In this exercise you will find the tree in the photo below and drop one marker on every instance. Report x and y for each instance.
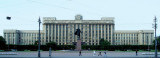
(104, 43)
(101, 41)
(36, 43)
(158, 42)
(2, 43)
(52, 44)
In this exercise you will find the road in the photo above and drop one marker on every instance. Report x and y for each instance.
(74, 54)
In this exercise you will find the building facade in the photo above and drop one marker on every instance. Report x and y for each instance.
(22, 37)
(62, 32)
(133, 37)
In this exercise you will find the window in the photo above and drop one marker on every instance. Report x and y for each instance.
(82, 26)
(99, 27)
(85, 31)
(56, 29)
(86, 25)
(46, 26)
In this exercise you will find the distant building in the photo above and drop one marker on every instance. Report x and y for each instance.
(62, 32)
(22, 37)
(133, 37)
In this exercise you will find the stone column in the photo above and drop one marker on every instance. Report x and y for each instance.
(95, 34)
(55, 35)
(91, 36)
(108, 33)
(51, 32)
(65, 34)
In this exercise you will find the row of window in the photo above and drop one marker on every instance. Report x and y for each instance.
(125, 35)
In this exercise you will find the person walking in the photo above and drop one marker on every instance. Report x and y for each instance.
(136, 52)
(94, 53)
(105, 54)
(99, 54)
(80, 53)
(50, 52)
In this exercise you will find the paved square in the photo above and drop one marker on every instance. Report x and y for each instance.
(70, 54)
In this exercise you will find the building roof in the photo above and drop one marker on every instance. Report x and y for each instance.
(78, 19)
(22, 31)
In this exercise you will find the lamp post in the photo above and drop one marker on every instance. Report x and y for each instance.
(39, 21)
(8, 18)
(155, 27)
(148, 43)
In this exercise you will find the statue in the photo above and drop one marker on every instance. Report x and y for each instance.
(78, 45)
(78, 31)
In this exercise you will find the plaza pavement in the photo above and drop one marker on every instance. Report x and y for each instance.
(74, 54)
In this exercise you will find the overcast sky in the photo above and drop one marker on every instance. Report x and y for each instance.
(129, 14)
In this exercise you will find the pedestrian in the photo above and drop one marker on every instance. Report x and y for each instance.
(80, 53)
(94, 53)
(105, 54)
(50, 52)
(99, 54)
(136, 52)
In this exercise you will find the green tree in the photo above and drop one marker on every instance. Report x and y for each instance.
(36, 43)
(2, 43)
(52, 44)
(158, 42)
(104, 43)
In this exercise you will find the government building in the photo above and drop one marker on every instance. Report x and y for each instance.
(92, 31)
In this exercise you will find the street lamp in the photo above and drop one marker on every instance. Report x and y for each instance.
(155, 27)
(148, 42)
(8, 18)
(39, 21)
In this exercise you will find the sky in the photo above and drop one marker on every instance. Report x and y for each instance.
(128, 14)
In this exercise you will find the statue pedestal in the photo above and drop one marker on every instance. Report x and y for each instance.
(78, 45)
